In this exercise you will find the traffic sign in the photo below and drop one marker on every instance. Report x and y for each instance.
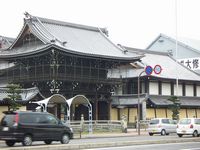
(157, 69)
(148, 70)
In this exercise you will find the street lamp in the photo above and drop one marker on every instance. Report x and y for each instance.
(138, 113)
(148, 70)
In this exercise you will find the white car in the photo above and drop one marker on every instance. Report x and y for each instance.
(188, 126)
(162, 126)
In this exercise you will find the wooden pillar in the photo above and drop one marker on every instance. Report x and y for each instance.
(128, 114)
(59, 111)
(109, 109)
(118, 114)
(196, 113)
(97, 111)
(186, 113)
(166, 112)
(155, 113)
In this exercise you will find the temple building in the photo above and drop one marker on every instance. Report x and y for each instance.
(57, 61)
(155, 89)
(65, 58)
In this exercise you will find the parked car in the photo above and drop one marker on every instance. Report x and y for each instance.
(188, 126)
(27, 127)
(162, 126)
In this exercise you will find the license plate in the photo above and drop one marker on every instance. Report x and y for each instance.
(5, 129)
(183, 131)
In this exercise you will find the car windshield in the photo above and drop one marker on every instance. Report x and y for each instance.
(185, 121)
(156, 121)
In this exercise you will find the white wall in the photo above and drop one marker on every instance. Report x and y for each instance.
(153, 88)
(166, 89)
(189, 90)
(166, 45)
(118, 91)
(143, 87)
(198, 90)
(180, 91)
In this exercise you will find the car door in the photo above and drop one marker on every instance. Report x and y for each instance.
(197, 124)
(165, 124)
(29, 124)
(54, 127)
(173, 126)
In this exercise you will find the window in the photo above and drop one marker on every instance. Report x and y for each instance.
(185, 121)
(9, 120)
(29, 118)
(166, 121)
(48, 119)
(197, 121)
(52, 120)
(154, 122)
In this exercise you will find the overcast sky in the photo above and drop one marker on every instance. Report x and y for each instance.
(134, 23)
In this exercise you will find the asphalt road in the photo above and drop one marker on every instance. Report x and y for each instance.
(109, 139)
(169, 146)
(105, 142)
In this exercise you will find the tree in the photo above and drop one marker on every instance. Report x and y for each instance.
(175, 107)
(13, 91)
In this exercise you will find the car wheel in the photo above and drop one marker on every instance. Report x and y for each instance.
(47, 141)
(151, 134)
(195, 134)
(10, 143)
(163, 132)
(27, 141)
(180, 135)
(65, 139)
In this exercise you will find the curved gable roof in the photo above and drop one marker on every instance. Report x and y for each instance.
(74, 38)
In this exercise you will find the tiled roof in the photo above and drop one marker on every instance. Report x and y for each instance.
(72, 38)
(192, 44)
(5, 42)
(127, 100)
(26, 94)
(184, 101)
(170, 69)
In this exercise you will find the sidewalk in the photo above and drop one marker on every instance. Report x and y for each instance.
(130, 132)
(92, 145)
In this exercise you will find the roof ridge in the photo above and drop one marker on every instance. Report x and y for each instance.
(103, 34)
(173, 40)
(145, 51)
(47, 31)
(63, 23)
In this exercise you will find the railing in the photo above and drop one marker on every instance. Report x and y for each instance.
(97, 126)
(144, 124)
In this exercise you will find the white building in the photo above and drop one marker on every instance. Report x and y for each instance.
(188, 50)
(156, 89)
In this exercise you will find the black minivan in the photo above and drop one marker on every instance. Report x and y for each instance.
(27, 127)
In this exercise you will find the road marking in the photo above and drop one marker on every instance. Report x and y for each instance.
(191, 149)
(147, 145)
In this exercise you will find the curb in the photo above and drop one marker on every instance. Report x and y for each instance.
(100, 145)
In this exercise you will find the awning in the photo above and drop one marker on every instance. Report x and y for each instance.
(162, 101)
(130, 100)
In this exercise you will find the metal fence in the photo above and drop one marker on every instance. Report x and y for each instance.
(97, 126)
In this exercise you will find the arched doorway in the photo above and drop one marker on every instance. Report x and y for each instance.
(55, 104)
(78, 105)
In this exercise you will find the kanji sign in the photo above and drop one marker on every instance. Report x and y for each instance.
(191, 63)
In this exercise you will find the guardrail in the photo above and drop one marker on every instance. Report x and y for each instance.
(97, 125)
